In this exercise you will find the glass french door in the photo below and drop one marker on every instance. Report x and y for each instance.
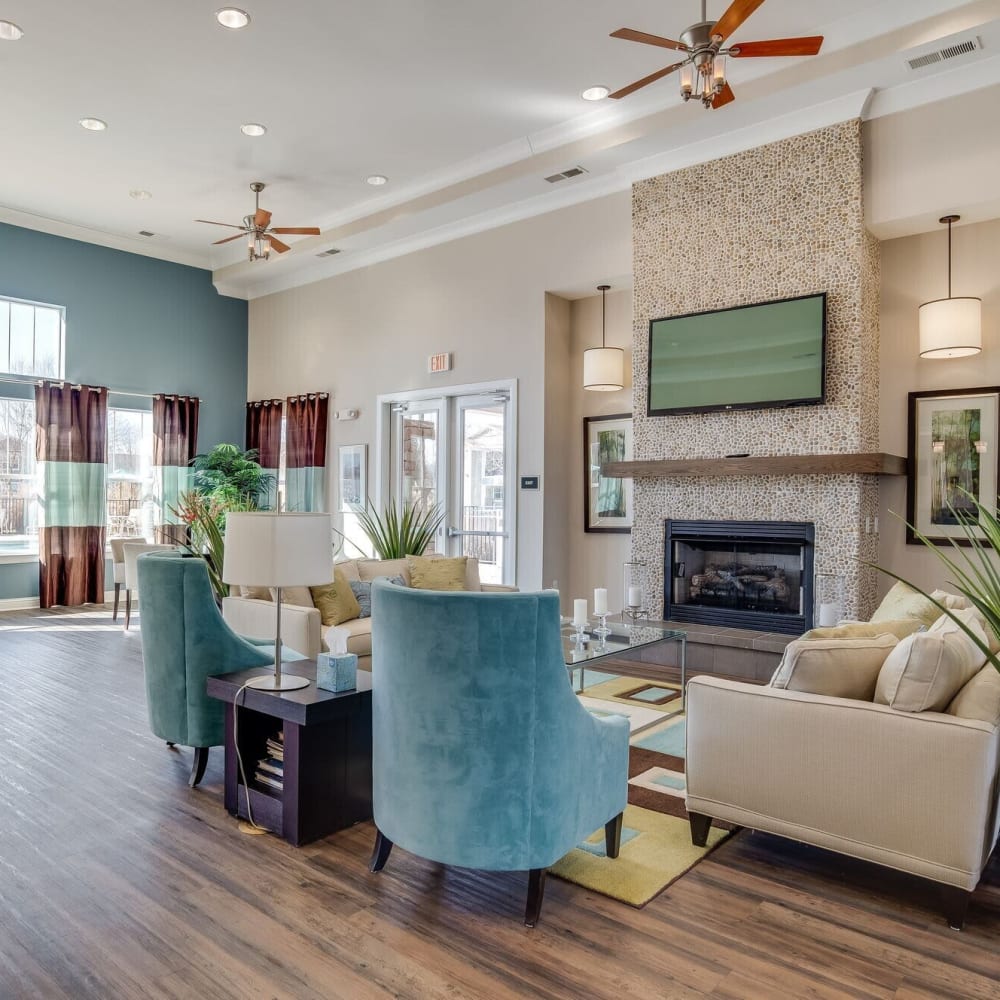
(458, 451)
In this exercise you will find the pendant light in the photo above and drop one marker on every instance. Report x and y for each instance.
(603, 366)
(951, 327)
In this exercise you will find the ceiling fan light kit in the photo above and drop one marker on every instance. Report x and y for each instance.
(703, 71)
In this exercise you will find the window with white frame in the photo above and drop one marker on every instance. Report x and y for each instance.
(18, 489)
(130, 473)
(31, 338)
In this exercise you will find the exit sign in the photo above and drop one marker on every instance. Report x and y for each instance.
(439, 363)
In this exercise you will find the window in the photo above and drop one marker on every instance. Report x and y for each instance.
(130, 473)
(18, 492)
(31, 338)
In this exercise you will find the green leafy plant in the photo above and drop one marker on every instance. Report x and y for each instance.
(397, 533)
(229, 475)
(973, 569)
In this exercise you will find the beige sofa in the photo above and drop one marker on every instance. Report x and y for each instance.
(912, 790)
(252, 611)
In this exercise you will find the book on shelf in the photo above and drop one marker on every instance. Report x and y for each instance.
(269, 781)
(271, 766)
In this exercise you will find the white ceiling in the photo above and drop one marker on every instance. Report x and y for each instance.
(465, 104)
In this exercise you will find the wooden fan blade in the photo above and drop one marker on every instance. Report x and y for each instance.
(261, 218)
(209, 222)
(807, 46)
(228, 239)
(277, 244)
(723, 97)
(296, 230)
(738, 12)
(645, 81)
(631, 35)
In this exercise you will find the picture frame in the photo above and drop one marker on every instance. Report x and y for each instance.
(607, 501)
(352, 476)
(953, 439)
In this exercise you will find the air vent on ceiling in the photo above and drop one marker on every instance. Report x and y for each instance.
(565, 175)
(328, 253)
(146, 233)
(941, 51)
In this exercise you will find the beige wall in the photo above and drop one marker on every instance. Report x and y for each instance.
(914, 269)
(559, 392)
(369, 332)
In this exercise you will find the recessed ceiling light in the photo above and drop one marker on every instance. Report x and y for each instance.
(139, 194)
(376, 180)
(253, 128)
(93, 124)
(9, 31)
(595, 93)
(232, 17)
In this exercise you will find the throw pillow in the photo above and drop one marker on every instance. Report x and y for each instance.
(293, 595)
(904, 602)
(336, 601)
(953, 602)
(862, 630)
(372, 569)
(980, 698)
(428, 573)
(927, 669)
(363, 593)
(255, 593)
(839, 668)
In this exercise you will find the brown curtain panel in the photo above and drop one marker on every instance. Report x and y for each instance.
(175, 443)
(71, 431)
(263, 434)
(305, 451)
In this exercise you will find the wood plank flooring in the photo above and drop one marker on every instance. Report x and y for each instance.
(117, 880)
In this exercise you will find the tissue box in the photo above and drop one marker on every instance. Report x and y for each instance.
(337, 671)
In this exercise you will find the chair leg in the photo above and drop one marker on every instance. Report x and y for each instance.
(700, 825)
(613, 836)
(956, 902)
(171, 744)
(536, 889)
(380, 854)
(198, 765)
(128, 608)
(118, 592)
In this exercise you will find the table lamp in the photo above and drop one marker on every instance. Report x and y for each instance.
(267, 549)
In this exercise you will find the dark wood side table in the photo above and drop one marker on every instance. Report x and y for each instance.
(328, 752)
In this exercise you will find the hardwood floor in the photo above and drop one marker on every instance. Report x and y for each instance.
(117, 880)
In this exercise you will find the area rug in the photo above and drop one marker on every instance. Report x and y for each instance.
(656, 837)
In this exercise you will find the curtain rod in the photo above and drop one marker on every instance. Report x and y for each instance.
(117, 392)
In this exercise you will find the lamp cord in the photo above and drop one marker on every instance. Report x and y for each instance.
(239, 758)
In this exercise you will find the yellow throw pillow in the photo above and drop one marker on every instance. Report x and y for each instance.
(428, 573)
(336, 601)
(866, 630)
(904, 602)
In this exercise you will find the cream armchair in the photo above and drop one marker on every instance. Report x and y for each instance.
(912, 791)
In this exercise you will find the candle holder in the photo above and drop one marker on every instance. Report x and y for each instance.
(580, 636)
(602, 631)
(634, 591)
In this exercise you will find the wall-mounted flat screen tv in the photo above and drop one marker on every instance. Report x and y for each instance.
(750, 357)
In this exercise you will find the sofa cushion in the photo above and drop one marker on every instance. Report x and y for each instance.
(359, 635)
(294, 595)
(927, 669)
(838, 668)
(372, 569)
(437, 574)
(979, 698)
(862, 630)
(905, 602)
(254, 593)
(349, 567)
(336, 601)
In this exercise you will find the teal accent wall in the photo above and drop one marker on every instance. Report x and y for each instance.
(135, 324)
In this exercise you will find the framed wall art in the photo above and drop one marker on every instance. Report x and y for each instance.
(607, 502)
(352, 474)
(953, 438)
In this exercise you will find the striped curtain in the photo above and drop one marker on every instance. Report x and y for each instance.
(305, 452)
(264, 436)
(71, 431)
(175, 443)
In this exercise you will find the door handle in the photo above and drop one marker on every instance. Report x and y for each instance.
(455, 533)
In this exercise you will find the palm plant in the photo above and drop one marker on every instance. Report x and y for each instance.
(230, 475)
(972, 565)
(397, 533)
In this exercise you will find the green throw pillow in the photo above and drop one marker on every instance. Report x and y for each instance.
(336, 601)
(437, 574)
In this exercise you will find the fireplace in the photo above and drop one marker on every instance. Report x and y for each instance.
(740, 574)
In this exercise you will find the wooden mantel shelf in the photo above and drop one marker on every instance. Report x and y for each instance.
(873, 464)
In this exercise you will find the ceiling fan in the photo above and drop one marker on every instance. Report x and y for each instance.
(703, 71)
(257, 228)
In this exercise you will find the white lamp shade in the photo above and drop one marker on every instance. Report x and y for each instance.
(603, 368)
(951, 328)
(266, 549)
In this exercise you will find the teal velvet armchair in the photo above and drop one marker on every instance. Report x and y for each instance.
(184, 641)
(482, 755)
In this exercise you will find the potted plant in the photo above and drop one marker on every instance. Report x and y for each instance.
(397, 533)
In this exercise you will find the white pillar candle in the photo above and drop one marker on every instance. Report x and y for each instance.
(600, 601)
(634, 597)
(580, 611)
(829, 614)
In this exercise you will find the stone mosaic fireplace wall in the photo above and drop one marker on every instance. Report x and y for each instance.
(781, 220)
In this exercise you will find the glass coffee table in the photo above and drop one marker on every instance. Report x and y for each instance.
(625, 637)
